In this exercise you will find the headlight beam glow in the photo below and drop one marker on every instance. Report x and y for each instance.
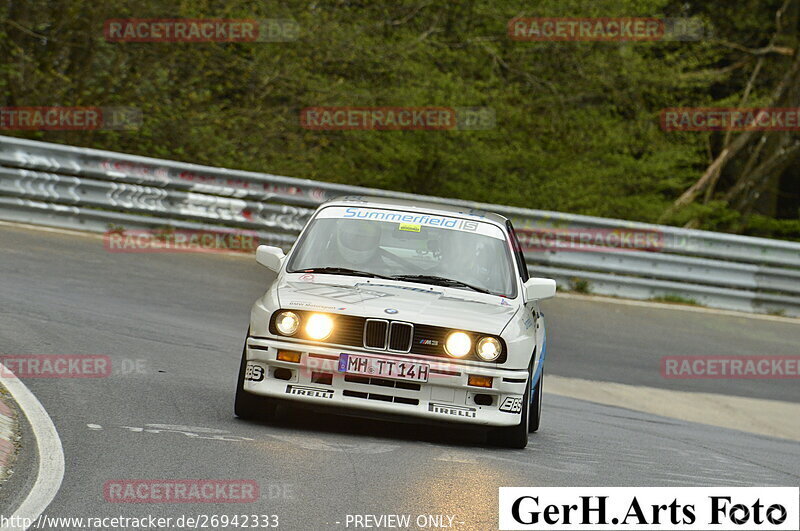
(319, 326)
(458, 344)
(489, 349)
(287, 323)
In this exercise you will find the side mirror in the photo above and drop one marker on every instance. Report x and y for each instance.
(539, 288)
(270, 257)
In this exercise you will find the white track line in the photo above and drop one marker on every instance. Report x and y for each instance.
(753, 415)
(100, 236)
(676, 306)
(44, 228)
(51, 454)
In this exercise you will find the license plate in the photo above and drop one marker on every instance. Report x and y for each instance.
(383, 368)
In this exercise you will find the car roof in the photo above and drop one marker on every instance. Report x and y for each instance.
(414, 205)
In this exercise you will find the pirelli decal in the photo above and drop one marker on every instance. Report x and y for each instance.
(314, 392)
(456, 411)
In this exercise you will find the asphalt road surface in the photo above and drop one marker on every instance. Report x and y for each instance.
(173, 325)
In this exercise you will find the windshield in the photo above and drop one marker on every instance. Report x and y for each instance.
(468, 254)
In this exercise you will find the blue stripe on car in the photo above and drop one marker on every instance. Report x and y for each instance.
(541, 360)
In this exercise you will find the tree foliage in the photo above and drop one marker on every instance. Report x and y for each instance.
(577, 123)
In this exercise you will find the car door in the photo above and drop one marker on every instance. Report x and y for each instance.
(532, 313)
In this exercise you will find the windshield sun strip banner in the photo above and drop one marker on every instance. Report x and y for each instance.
(406, 220)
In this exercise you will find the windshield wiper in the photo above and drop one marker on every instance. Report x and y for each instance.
(433, 279)
(341, 271)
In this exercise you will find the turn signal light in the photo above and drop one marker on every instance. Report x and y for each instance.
(289, 355)
(480, 381)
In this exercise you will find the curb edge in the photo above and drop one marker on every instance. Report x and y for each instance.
(9, 435)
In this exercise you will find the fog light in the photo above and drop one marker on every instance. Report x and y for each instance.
(480, 381)
(289, 355)
(483, 400)
(319, 326)
(282, 373)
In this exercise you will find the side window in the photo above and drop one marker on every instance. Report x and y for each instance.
(523, 267)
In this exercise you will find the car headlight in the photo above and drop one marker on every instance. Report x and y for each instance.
(458, 344)
(287, 323)
(319, 326)
(489, 349)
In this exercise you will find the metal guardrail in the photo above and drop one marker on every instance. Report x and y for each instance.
(95, 190)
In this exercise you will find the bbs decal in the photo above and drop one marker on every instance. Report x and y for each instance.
(511, 404)
(254, 373)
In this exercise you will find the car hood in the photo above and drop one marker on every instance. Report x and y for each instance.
(402, 301)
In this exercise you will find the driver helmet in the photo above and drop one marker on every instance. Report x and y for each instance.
(357, 241)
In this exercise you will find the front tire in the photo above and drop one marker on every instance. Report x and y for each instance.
(515, 436)
(536, 405)
(250, 406)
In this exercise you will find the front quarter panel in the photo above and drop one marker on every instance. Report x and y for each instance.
(262, 310)
(520, 338)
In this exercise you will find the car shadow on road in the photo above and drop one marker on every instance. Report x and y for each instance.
(295, 419)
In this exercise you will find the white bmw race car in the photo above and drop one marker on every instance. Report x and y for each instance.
(398, 307)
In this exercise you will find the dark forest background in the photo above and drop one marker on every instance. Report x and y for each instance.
(577, 123)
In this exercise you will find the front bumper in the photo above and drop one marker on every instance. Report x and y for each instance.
(445, 397)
